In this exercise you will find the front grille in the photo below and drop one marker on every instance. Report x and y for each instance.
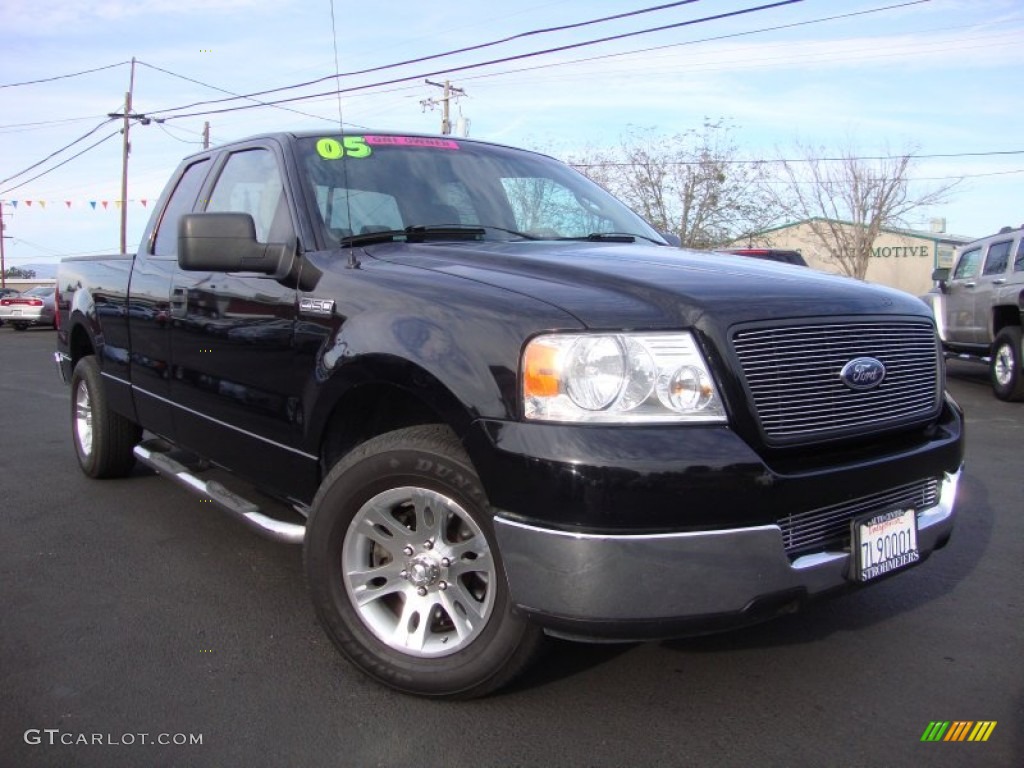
(792, 375)
(829, 527)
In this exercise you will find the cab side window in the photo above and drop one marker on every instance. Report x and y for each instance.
(998, 258)
(1018, 262)
(182, 200)
(250, 182)
(968, 265)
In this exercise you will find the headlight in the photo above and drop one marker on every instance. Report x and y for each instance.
(618, 378)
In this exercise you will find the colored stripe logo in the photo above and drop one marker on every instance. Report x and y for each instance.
(958, 730)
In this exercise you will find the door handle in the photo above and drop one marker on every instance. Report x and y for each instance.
(999, 281)
(970, 284)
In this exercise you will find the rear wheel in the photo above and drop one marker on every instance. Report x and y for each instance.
(405, 573)
(20, 326)
(1006, 372)
(104, 440)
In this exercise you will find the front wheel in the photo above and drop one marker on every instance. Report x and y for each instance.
(1006, 372)
(104, 440)
(404, 571)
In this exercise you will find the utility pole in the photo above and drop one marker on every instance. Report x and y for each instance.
(206, 135)
(126, 147)
(3, 263)
(450, 92)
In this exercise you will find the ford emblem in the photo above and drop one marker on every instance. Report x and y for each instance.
(862, 373)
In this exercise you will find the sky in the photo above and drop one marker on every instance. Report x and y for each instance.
(940, 78)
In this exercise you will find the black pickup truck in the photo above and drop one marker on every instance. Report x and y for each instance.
(498, 404)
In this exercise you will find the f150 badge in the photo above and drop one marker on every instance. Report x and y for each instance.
(862, 373)
(312, 306)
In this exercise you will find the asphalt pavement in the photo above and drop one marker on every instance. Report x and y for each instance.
(140, 627)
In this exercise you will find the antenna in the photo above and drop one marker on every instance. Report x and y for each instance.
(337, 69)
(353, 262)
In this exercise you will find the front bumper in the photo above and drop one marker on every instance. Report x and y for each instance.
(659, 585)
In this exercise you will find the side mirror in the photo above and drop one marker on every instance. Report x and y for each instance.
(226, 242)
(941, 276)
(672, 239)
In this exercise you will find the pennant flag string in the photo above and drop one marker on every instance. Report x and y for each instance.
(72, 204)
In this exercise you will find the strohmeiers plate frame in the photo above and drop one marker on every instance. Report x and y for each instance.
(891, 541)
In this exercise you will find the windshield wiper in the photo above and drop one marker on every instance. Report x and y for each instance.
(515, 232)
(609, 237)
(617, 237)
(416, 233)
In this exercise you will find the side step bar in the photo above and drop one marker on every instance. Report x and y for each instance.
(153, 453)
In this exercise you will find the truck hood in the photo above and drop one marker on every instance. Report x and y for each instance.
(624, 286)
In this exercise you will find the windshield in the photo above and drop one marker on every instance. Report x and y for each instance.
(378, 184)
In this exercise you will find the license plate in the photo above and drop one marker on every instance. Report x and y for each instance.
(16, 312)
(884, 543)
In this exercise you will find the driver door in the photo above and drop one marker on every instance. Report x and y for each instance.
(235, 381)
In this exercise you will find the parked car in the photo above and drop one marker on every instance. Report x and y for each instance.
(768, 254)
(33, 307)
(5, 292)
(979, 307)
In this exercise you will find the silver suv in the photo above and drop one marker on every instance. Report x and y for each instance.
(979, 307)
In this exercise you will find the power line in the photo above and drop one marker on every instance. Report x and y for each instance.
(511, 58)
(167, 130)
(503, 60)
(930, 156)
(445, 54)
(58, 165)
(713, 38)
(17, 127)
(56, 152)
(231, 93)
(63, 77)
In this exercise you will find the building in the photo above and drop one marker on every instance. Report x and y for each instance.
(23, 284)
(900, 258)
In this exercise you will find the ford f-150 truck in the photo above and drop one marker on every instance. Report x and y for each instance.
(499, 405)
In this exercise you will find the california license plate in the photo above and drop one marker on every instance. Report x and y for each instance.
(884, 543)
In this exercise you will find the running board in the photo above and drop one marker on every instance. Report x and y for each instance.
(153, 453)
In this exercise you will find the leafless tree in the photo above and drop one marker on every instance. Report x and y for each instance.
(693, 184)
(846, 200)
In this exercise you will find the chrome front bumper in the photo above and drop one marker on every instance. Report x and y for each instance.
(598, 585)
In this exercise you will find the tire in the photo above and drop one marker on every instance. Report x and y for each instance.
(404, 571)
(20, 326)
(103, 439)
(1006, 370)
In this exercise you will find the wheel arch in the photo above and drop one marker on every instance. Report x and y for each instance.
(1004, 315)
(386, 396)
(80, 343)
